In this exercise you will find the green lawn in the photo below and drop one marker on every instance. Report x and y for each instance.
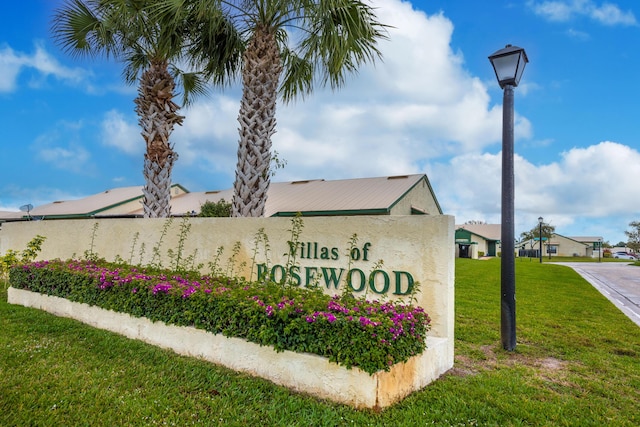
(577, 363)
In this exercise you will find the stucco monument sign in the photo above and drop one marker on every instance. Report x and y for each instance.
(406, 258)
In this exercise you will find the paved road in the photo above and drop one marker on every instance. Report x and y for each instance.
(619, 282)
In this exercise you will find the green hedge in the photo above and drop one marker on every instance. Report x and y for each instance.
(371, 335)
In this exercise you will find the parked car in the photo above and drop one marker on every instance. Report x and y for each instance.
(622, 255)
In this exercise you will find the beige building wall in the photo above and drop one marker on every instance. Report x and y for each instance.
(135, 206)
(566, 247)
(420, 197)
(482, 246)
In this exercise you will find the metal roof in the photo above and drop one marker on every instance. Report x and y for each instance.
(586, 239)
(371, 195)
(311, 197)
(318, 196)
(11, 214)
(488, 231)
(113, 201)
(90, 205)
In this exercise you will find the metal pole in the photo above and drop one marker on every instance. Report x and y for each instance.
(599, 250)
(540, 236)
(507, 263)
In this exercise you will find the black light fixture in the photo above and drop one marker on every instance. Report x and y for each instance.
(508, 64)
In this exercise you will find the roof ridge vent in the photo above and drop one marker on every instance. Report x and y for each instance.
(305, 181)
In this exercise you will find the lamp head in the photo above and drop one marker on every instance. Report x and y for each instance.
(508, 64)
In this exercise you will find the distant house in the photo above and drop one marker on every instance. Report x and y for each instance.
(476, 240)
(390, 195)
(594, 241)
(559, 245)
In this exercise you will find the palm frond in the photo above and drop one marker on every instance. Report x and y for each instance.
(79, 29)
(298, 75)
(193, 84)
(341, 36)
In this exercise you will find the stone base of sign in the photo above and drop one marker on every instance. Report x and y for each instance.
(305, 373)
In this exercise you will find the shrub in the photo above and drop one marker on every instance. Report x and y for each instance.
(12, 257)
(371, 335)
(220, 208)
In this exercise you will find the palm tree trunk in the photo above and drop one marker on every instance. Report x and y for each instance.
(158, 115)
(257, 118)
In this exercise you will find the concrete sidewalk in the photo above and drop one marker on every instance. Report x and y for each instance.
(618, 281)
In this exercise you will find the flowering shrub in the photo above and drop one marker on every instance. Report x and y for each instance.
(371, 335)
(12, 257)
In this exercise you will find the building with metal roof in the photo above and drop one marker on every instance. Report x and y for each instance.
(390, 195)
(559, 245)
(477, 240)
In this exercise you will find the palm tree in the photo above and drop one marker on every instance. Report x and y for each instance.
(132, 32)
(333, 38)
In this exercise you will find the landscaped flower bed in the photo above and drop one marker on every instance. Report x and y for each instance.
(371, 335)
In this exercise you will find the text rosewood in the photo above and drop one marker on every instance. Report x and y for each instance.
(378, 281)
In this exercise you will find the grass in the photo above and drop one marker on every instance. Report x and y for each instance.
(577, 363)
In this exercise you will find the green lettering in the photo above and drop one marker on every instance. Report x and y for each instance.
(293, 271)
(363, 280)
(399, 275)
(330, 278)
(274, 274)
(372, 281)
(324, 253)
(365, 251)
(262, 272)
(310, 278)
(334, 253)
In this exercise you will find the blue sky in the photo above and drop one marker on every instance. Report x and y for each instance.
(431, 106)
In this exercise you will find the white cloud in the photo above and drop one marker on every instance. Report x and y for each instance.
(417, 105)
(209, 135)
(62, 149)
(46, 64)
(562, 11)
(12, 64)
(596, 184)
(71, 158)
(119, 133)
(610, 14)
(578, 35)
(207, 139)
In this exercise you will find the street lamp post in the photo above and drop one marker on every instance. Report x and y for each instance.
(540, 220)
(508, 64)
(599, 249)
